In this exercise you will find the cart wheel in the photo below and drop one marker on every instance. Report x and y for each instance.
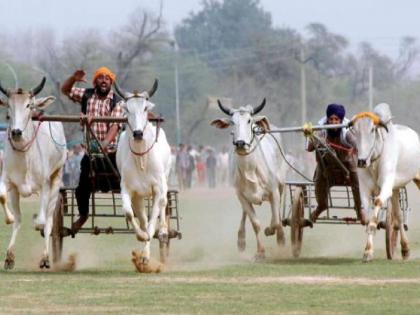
(391, 234)
(296, 227)
(165, 244)
(56, 237)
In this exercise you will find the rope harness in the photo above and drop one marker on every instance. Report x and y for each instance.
(150, 148)
(27, 146)
(377, 122)
(254, 136)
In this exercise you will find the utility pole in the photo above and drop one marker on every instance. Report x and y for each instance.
(303, 84)
(370, 88)
(178, 124)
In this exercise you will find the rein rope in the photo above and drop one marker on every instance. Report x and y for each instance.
(287, 162)
(255, 147)
(52, 138)
(340, 147)
(27, 146)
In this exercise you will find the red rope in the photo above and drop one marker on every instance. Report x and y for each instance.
(340, 147)
(148, 150)
(26, 146)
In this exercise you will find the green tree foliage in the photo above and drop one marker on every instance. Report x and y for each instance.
(229, 49)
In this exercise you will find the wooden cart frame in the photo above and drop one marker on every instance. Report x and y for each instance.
(105, 207)
(302, 202)
(340, 198)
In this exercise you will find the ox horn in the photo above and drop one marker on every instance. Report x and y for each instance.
(382, 124)
(154, 88)
(120, 91)
(3, 90)
(39, 87)
(224, 109)
(257, 109)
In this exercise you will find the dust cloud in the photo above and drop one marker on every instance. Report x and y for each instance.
(209, 224)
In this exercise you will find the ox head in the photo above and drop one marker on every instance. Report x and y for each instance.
(365, 127)
(243, 122)
(136, 107)
(21, 104)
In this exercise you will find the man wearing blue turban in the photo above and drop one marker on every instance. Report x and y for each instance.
(328, 172)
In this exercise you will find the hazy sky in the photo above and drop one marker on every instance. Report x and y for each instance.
(382, 22)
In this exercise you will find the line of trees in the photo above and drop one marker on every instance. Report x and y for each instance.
(229, 49)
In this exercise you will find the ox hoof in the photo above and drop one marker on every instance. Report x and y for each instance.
(9, 262)
(142, 236)
(259, 257)
(39, 227)
(367, 257)
(44, 263)
(268, 231)
(405, 253)
(241, 244)
(9, 220)
(163, 237)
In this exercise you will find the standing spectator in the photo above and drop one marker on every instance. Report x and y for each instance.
(183, 162)
(200, 165)
(173, 168)
(190, 166)
(67, 170)
(211, 163)
(223, 166)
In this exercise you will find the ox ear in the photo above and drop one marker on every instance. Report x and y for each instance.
(150, 105)
(220, 123)
(3, 102)
(44, 102)
(262, 122)
(383, 125)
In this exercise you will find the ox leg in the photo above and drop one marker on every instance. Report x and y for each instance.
(8, 216)
(242, 233)
(275, 202)
(39, 222)
(128, 211)
(10, 256)
(158, 209)
(405, 249)
(53, 189)
(380, 200)
(139, 211)
(366, 188)
(249, 209)
(275, 226)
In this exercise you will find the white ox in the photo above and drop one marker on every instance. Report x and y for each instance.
(33, 162)
(388, 158)
(260, 171)
(143, 160)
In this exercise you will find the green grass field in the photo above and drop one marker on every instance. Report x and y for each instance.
(207, 275)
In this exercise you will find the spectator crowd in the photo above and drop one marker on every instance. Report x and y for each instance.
(191, 166)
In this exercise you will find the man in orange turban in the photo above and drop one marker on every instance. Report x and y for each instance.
(97, 101)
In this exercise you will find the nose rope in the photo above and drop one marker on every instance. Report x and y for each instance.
(252, 140)
(150, 148)
(52, 138)
(28, 144)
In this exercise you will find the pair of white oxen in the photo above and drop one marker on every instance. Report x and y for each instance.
(388, 158)
(35, 155)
